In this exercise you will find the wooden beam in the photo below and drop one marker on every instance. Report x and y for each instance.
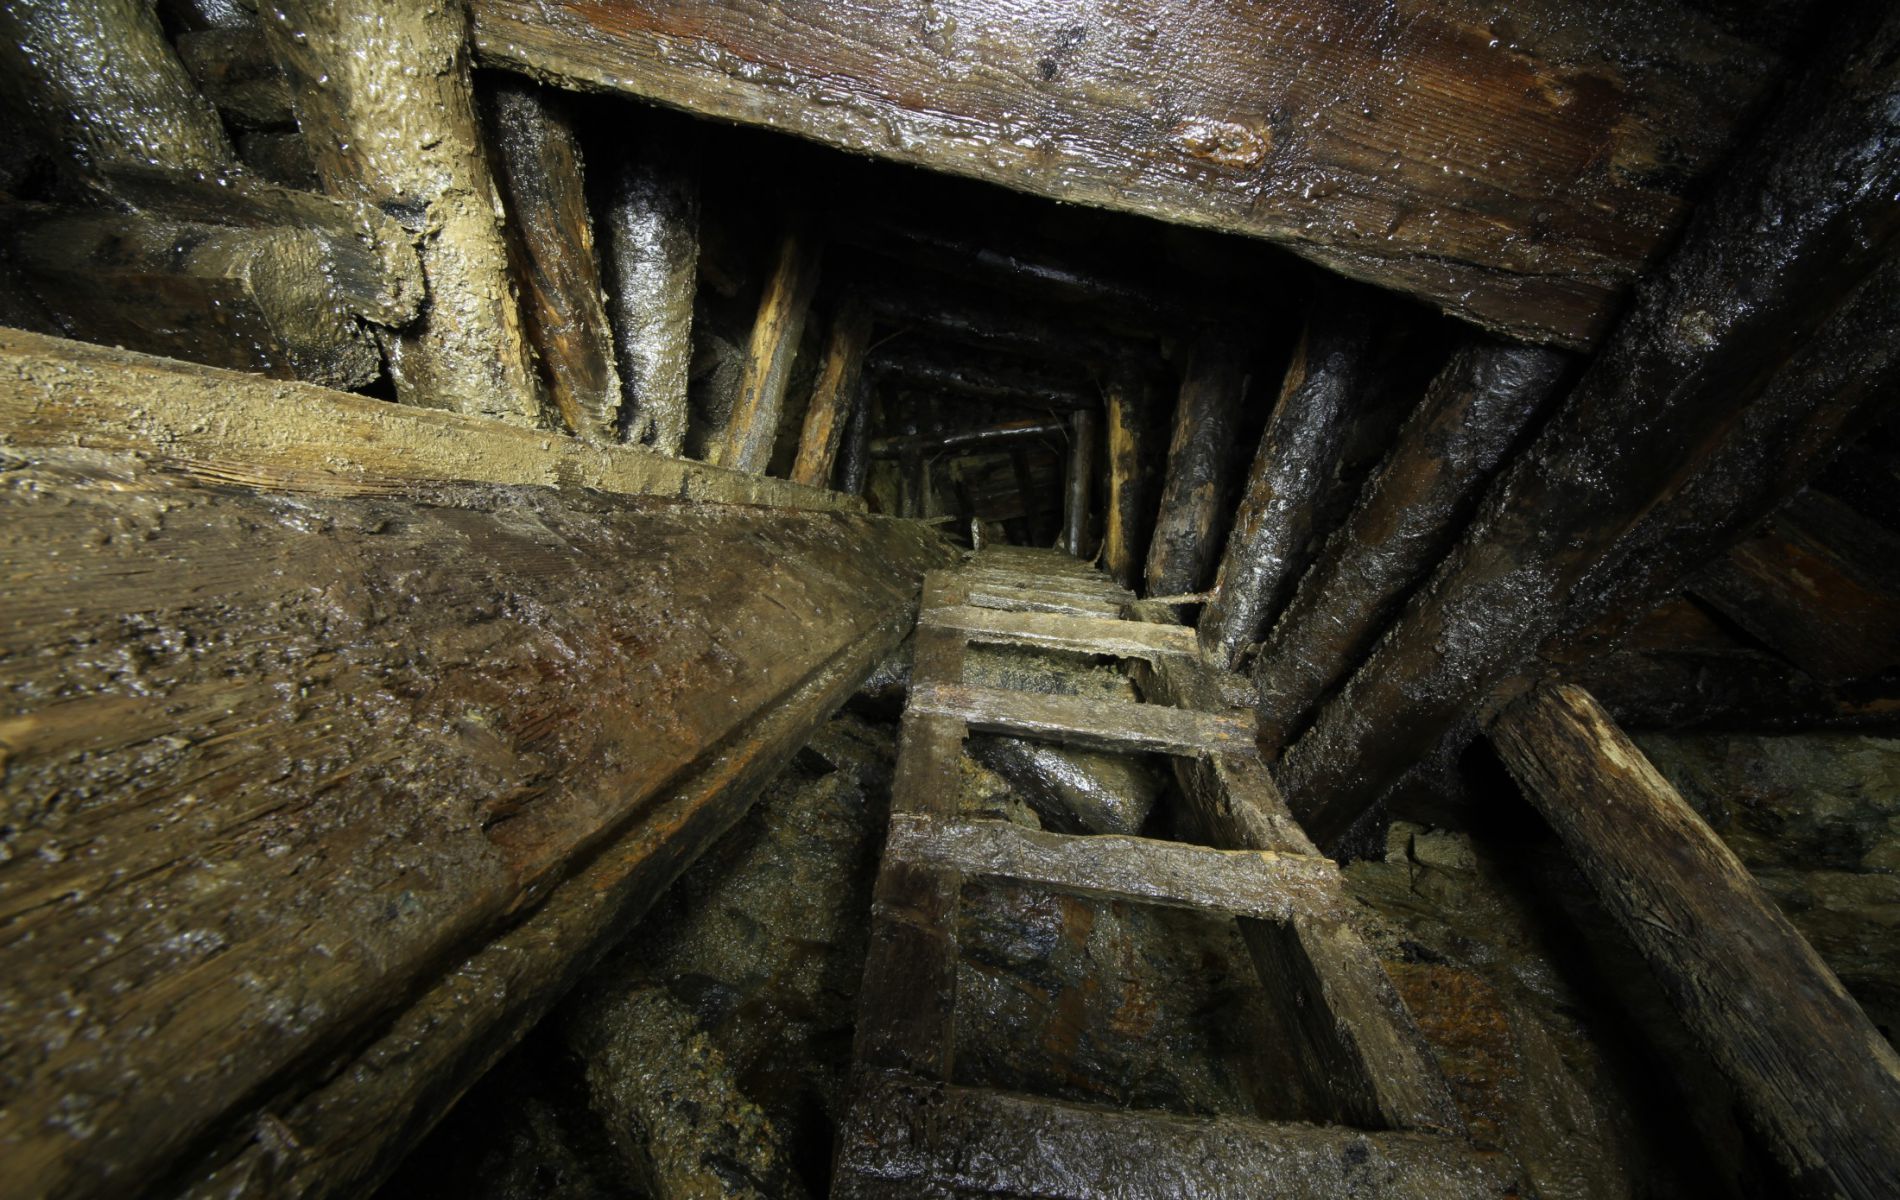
(1251, 883)
(1079, 483)
(1687, 367)
(538, 161)
(1130, 506)
(1116, 725)
(985, 378)
(652, 224)
(1202, 124)
(229, 427)
(1081, 635)
(233, 68)
(752, 429)
(397, 725)
(967, 439)
(834, 397)
(1813, 1072)
(1299, 452)
(1188, 527)
(384, 98)
(854, 467)
(1411, 512)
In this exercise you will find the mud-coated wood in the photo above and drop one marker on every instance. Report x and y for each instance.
(1081, 635)
(1126, 399)
(1516, 170)
(1079, 482)
(1410, 514)
(652, 228)
(1814, 1073)
(752, 428)
(364, 733)
(538, 161)
(1116, 725)
(961, 374)
(1189, 525)
(1267, 548)
(834, 397)
(383, 97)
(1781, 245)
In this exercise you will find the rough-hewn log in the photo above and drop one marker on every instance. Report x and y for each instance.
(855, 468)
(1079, 483)
(539, 165)
(1188, 528)
(1780, 245)
(1410, 514)
(1267, 548)
(1814, 1073)
(1734, 690)
(1074, 791)
(383, 97)
(1130, 505)
(253, 299)
(1566, 116)
(652, 221)
(1117, 725)
(752, 429)
(997, 435)
(222, 426)
(958, 375)
(364, 733)
(235, 70)
(834, 398)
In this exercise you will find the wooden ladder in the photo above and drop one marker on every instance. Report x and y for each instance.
(911, 1131)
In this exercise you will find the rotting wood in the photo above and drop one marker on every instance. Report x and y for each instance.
(1518, 177)
(351, 1131)
(1082, 635)
(1079, 484)
(834, 397)
(1409, 515)
(1273, 524)
(1252, 883)
(384, 98)
(1812, 1070)
(854, 466)
(468, 692)
(234, 69)
(226, 427)
(746, 443)
(1093, 723)
(652, 222)
(538, 163)
(1127, 397)
(1073, 791)
(1187, 528)
(1784, 240)
(911, 1137)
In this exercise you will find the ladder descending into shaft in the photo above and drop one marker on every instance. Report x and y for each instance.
(1391, 1129)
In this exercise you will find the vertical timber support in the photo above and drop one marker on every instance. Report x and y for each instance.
(384, 96)
(652, 223)
(834, 399)
(747, 444)
(855, 469)
(1185, 535)
(1812, 1070)
(1081, 481)
(539, 162)
(1126, 398)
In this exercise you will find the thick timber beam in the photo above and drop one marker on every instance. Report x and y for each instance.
(539, 163)
(1266, 551)
(1516, 174)
(1080, 483)
(1410, 514)
(652, 222)
(1812, 1070)
(753, 427)
(384, 98)
(1786, 245)
(834, 398)
(366, 735)
(1126, 398)
(1186, 531)
(1026, 384)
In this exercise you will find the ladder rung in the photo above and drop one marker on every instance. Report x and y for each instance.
(1250, 883)
(1059, 631)
(1113, 725)
(979, 595)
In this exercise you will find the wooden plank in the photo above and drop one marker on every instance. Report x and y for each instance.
(225, 426)
(1079, 483)
(1514, 175)
(1007, 599)
(395, 724)
(750, 433)
(910, 1138)
(1685, 369)
(652, 227)
(833, 397)
(1124, 540)
(1812, 1070)
(1411, 512)
(1191, 521)
(1084, 635)
(1115, 725)
(953, 374)
(1252, 883)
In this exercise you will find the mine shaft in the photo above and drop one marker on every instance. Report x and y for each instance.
(660, 600)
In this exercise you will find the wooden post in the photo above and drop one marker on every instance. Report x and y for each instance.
(1410, 514)
(1081, 481)
(855, 470)
(1686, 366)
(1814, 1073)
(652, 224)
(1126, 397)
(834, 398)
(384, 98)
(1188, 527)
(753, 426)
(1298, 453)
(539, 163)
